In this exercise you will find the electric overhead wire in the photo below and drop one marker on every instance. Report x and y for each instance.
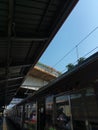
(82, 56)
(88, 53)
(91, 51)
(76, 46)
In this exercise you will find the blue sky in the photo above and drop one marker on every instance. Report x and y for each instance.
(82, 20)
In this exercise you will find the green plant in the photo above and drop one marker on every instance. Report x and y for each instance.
(70, 66)
(80, 60)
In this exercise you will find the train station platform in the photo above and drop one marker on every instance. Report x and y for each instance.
(6, 124)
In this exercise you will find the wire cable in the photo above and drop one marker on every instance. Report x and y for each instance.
(82, 56)
(76, 45)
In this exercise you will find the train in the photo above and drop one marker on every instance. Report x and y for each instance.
(69, 102)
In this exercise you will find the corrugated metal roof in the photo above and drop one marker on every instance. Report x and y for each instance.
(26, 29)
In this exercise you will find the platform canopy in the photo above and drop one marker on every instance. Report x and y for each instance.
(26, 29)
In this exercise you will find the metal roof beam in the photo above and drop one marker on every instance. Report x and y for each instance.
(11, 90)
(8, 92)
(11, 79)
(16, 86)
(13, 86)
(24, 39)
(19, 65)
(44, 14)
(10, 22)
(29, 39)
